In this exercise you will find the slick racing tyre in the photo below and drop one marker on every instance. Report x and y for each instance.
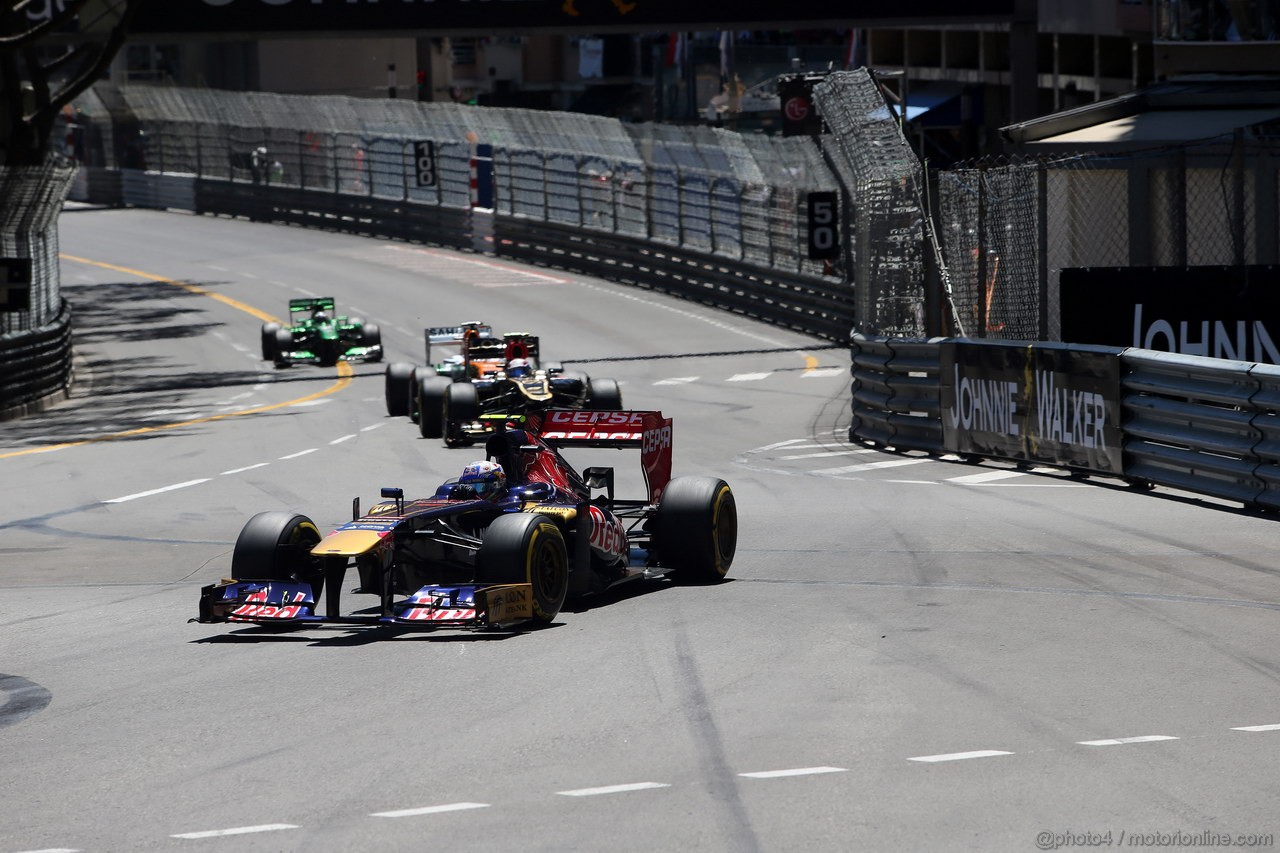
(276, 546)
(284, 344)
(697, 528)
(269, 341)
(372, 337)
(398, 376)
(431, 391)
(461, 406)
(605, 395)
(527, 548)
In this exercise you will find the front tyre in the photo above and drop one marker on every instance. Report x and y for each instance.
(527, 548)
(431, 391)
(269, 340)
(372, 337)
(398, 376)
(605, 395)
(697, 528)
(276, 546)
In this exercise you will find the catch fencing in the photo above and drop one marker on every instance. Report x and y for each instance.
(1010, 228)
(35, 325)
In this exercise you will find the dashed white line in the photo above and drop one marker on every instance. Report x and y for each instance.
(300, 453)
(749, 377)
(372, 427)
(960, 756)
(343, 438)
(1122, 740)
(796, 771)
(55, 850)
(448, 807)
(1268, 728)
(308, 403)
(822, 371)
(245, 468)
(677, 380)
(613, 789)
(238, 830)
(160, 490)
(869, 466)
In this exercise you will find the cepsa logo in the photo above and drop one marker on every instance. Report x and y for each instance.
(596, 418)
(656, 439)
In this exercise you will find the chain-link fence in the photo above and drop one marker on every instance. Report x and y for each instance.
(1010, 229)
(30, 199)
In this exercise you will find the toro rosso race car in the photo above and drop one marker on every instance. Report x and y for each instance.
(488, 376)
(322, 338)
(497, 559)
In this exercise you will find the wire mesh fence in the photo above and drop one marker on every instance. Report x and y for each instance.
(30, 200)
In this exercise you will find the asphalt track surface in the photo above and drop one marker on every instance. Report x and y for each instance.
(910, 654)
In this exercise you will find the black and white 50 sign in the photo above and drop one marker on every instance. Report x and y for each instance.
(824, 226)
(424, 161)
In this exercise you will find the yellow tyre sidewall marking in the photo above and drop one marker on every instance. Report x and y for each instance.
(344, 370)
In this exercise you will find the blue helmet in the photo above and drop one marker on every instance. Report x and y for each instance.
(486, 478)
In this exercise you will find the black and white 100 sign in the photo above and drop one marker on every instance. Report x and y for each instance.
(824, 226)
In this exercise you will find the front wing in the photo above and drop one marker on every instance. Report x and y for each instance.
(433, 606)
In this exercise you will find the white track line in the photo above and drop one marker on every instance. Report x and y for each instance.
(613, 789)
(822, 371)
(245, 468)
(678, 380)
(300, 453)
(1122, 740)
(239, 830)
(850, 452)
(796, 771)
(868, 466)
(1268, 728)
(343, 438)
(448, 807)
(985, 477)
(786, 443)
(748, 377)
(372, 427)
(960, 756)
(151, 492)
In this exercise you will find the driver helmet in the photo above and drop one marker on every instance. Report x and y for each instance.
(320, 315)
(486, 478)
(519, 367)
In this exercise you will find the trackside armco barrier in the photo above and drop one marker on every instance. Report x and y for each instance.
(1203, 425)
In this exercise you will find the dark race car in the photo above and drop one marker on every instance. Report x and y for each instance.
(445, 343)
(489, 375)
(466, 558)
(322, 338)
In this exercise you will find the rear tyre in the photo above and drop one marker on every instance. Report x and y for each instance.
(398, 376)
(276, 546)
(269, 340)
(605, 395)
(372, 337)
(431, 393)
(527, 548)
(697, 528)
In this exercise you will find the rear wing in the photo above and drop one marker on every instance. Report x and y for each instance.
(320, 303)
(454, 335)
(648, 431)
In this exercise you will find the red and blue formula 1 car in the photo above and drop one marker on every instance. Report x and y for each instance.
(459, 559)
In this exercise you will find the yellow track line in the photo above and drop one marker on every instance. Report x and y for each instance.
(810, 362)
(344, 370)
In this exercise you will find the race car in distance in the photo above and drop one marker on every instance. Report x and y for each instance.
(488, 376)
(322, 338)
(501, 558)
